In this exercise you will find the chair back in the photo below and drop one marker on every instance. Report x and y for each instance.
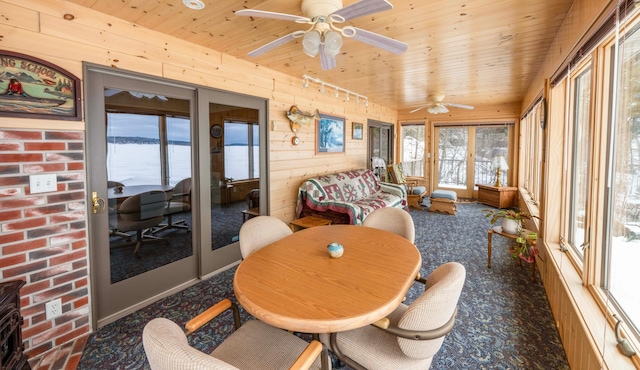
(182, 191)
(260, 231)
(143, 206)
(166, 347)
(253, 198)
(395, 174)
(395, 220)
(113, 184)
(432, 309)
(379, 168)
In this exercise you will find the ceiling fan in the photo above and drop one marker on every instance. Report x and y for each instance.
(438, 106)
(324, 34)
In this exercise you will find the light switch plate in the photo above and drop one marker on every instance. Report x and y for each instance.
(43, 183)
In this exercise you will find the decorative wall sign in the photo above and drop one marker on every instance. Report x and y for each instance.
(33, 88)
(330, 135)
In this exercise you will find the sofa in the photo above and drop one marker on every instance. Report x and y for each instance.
(347, 197)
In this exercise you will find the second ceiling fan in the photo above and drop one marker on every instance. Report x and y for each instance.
(324, 36)
(438, 106)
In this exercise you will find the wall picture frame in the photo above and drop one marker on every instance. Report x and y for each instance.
(330, 134)
(358, 130)
(34, 88)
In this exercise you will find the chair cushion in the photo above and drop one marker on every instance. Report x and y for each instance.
(447, 194)
(419, 190)
(259, 346)
(167, 348)
(375, 349)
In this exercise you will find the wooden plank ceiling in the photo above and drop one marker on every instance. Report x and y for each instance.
(475, 52)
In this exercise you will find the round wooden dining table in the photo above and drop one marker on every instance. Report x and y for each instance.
(294, 284)
(131, 190)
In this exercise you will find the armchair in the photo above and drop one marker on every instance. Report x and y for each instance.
(415, 192)
(179, 201)
(260, 231)
(141, 212)
(411, 335)
(254, 345)
(395, 220)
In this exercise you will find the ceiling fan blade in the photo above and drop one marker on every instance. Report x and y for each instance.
(463, 106)
(271, 15)
(371, 38)
(417, 109)
(362, 8)
(326, 62)
(275, 43)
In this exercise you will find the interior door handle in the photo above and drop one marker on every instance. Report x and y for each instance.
(97, 202)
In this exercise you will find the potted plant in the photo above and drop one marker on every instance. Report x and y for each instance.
(513, 223)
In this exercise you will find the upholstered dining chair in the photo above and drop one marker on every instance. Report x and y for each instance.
(140, 213)
(395, 220)
(254, 345)
(260, 231)
(179, 201)
(411, 335)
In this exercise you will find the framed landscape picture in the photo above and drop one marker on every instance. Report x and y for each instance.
(330, 134)
(357, 131)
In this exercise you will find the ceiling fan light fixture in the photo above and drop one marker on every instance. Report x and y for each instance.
(437, 109)
(193, 4)
(332, 43)
(311, 43)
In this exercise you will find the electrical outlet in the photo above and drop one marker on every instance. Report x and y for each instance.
(54, 308)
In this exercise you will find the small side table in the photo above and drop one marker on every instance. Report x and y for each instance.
(498, 230)
(309, 221)
(248, 213)
(498, 197)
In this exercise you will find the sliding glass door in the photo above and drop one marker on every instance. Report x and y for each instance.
(170, 168)
(466, 155)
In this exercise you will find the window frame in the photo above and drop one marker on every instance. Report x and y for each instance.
(578, 254)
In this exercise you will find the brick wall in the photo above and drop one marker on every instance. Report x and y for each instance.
(43, 237)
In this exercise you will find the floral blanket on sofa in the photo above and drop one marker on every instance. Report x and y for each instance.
(355, 193)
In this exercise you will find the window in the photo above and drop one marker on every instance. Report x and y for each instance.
(622, 240)
(162, 147)
(579, 160)
(531, 131)
(241, 150)
(413, 149)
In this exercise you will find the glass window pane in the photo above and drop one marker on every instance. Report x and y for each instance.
(452, 157)
(133, 149)
(491, 143)
(255, 160)
(413, 149)
(580, 160)
(178, 149)
(623, 226)
(236, 150)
